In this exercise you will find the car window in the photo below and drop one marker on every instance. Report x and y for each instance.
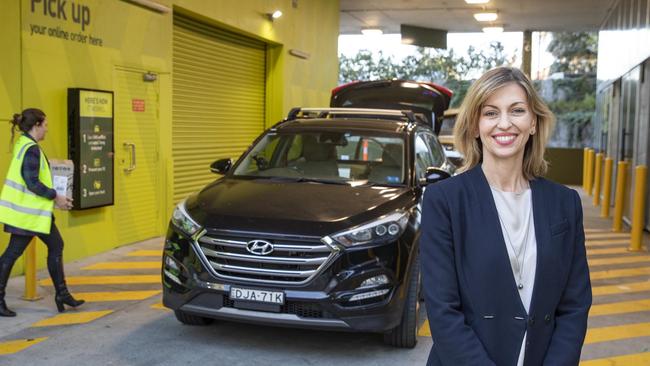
(423, 156)
(344, 156)
(437, 150)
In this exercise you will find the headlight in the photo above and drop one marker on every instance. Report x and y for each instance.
(385, 228)
(183, 221)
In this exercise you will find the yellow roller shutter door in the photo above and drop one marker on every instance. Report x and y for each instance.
(218, 104)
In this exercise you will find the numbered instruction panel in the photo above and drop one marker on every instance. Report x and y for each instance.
(90, 146)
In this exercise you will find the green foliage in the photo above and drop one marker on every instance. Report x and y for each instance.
(575, 52)
(575, 55)
(426, 65)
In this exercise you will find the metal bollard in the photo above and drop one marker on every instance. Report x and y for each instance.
(638, 222)
(607, 188)
(621, 177)
(590, 171)
(30, 272)
(585, 158)
(599, 167)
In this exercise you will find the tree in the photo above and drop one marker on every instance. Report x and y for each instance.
(440, 66)
(575, 56)
(575, 52)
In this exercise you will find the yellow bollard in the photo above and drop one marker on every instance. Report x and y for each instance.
(599, 167)
(590, 171)
(30, 272)
(585, 161)
(607, 188)
(638, 211)
(621, 177)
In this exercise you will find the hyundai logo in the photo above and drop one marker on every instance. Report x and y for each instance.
(259, 247)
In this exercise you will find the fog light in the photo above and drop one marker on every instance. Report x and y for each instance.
(367, 295)
(374, 281)
(171, 263)
(172, 277)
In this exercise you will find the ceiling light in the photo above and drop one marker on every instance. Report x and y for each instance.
(477, 1)
(275, 15)
(493, 29)
(486, 17)
(372, 32)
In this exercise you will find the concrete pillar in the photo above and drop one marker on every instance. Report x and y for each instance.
(527, 57)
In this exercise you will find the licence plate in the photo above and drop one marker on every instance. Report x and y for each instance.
(246, 294)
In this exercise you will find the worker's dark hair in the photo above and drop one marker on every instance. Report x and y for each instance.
(24, 121)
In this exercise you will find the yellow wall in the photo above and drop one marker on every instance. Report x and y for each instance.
(37, 69)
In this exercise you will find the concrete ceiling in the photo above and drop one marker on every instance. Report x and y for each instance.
(456, 15)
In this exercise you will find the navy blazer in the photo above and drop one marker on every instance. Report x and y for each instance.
(475, 313)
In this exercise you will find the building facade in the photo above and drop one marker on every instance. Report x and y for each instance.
(622, 123)
(192, 81)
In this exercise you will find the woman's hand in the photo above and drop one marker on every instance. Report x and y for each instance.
(63, 202)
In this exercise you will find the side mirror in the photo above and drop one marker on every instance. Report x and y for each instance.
(434, 175)
(221, 166)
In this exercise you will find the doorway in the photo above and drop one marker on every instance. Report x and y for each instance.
(137, 164)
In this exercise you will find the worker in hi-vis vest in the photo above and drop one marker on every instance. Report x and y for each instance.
(26, 206)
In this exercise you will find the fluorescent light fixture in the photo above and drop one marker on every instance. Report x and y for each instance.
(472, 2)
(486, 17)
(372, 32)
(275, 15)
(493, 29)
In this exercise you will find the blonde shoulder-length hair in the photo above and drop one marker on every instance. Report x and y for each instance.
(466, 127)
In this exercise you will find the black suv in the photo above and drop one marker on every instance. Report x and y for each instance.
(315, 226)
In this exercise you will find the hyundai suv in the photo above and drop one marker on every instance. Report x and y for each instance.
(315, 226)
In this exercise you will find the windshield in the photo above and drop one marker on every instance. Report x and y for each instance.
(335, 157)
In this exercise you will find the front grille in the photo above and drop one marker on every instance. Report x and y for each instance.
(301, 309)
(292, 261)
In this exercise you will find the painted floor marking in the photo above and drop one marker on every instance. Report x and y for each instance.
(160, 306)
(623, 288)
(145, 253)
(608, 242)
(627, 360)
(106, 280)
(72, 318)
(619, 260)
(622, 307)
(607, 236)
(619, 273)
(123, 265)
(590, 230)
(424, 330)
(607, 251)
(15, 346)
(597, 335)
(116, 295)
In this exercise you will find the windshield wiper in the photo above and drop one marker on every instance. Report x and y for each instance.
(309, 180)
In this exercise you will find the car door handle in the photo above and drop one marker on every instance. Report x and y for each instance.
(132, 160)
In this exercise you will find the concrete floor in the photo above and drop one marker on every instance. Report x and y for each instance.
(141, 332)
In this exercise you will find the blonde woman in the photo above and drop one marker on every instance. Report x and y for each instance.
(504, 268)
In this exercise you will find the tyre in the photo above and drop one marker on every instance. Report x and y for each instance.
(405, 334)
(190, 319)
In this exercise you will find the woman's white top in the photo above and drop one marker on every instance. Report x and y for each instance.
(517, 224)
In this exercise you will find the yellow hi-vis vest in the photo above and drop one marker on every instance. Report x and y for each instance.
(20, 207)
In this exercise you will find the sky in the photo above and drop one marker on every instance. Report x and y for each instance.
(390, 45)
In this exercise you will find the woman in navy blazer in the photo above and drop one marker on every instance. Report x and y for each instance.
(486, 303)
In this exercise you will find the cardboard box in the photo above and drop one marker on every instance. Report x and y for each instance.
(62, 176)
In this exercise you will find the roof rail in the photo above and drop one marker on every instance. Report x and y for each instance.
(326, 112)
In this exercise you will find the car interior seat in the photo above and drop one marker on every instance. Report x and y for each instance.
(319, 159)
(390, 169)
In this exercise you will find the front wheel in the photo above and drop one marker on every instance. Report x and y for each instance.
(405, 334)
